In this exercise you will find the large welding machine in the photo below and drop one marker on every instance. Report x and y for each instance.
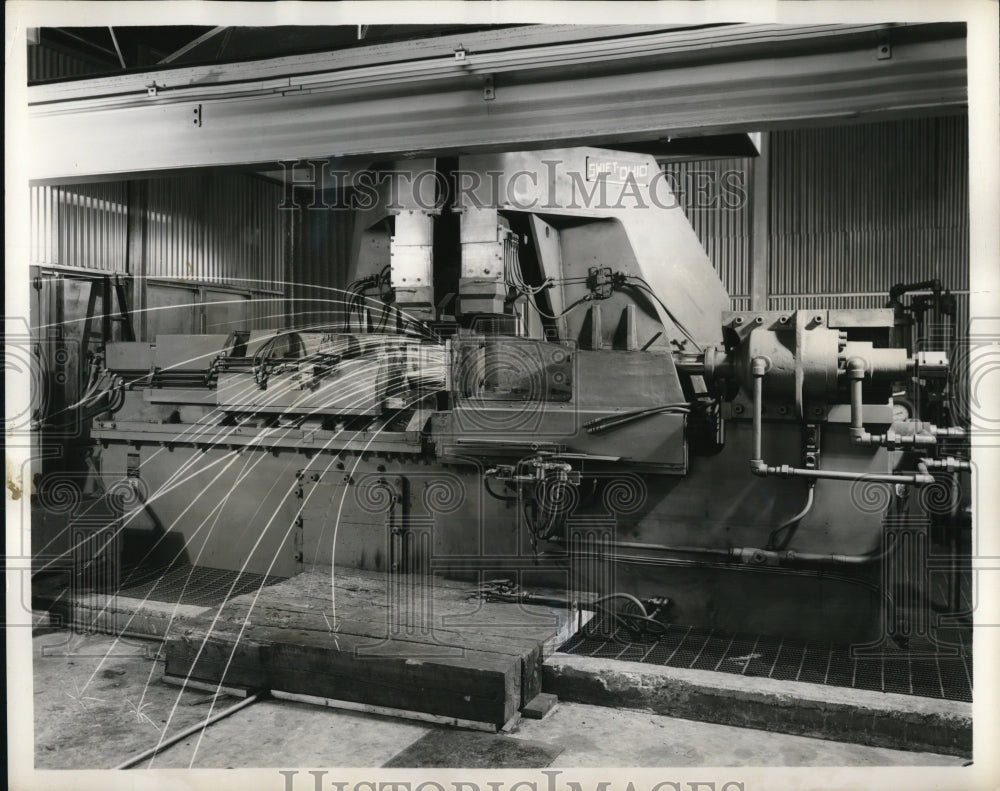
(544, 378)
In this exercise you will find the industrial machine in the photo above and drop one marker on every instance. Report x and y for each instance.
(538, 375)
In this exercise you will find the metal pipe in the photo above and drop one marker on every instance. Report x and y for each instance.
(949, 463)
(893, 438)
(922, 434)
(762, 556)
(760, 468)
(758, 367)
(744, 558)
(911, 479)
(657, 547)
(955, 575)
(749, 555)
(188, 732)
(855, 375)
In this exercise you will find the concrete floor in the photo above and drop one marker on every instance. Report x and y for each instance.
(98, 702)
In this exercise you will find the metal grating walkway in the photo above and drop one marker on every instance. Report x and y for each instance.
(942, 670)
(195, 585)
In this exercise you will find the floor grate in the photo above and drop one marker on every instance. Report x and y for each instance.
(195, 585)
(941, 669)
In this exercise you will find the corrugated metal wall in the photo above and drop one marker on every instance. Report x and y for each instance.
(48, 61)
(222, 228)
(83, 226)
(321, 254)
(215, 233)
(856, 209)
(853, 210)
(715, 196)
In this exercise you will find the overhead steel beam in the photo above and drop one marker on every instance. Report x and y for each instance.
(506, 39)
(191, 45)
(118, 49)
(613, 89)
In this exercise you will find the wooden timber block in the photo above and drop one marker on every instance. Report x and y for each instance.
(539, 706)
(201, 686)
(441, 641)
(474, 685)
(359, 639)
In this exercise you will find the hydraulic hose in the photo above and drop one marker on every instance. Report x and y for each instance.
(793, 521)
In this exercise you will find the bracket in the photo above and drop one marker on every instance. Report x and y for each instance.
(811, 446)
(489, 88)
(197, 115)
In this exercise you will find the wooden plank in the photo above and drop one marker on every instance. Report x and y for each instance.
(473, 685)
(203, 686)
(120, 615)
(257, 644)
(539, 706)
(376, 625)
(527, 651)
(448, 598)
(386, 711)
(504, 621)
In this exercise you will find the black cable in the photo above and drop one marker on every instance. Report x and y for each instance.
(505, 497)
(543, 314)
(642, 285)
(637, 624)
(600, 424)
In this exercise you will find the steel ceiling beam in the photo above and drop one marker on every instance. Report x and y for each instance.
(612, 89)
(191, 45)
(118, 49)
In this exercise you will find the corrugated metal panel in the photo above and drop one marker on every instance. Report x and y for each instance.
(268, 312)
(715, 195)
(210, 228)
(220, 228)
(322, 250)
(859, 208)
(49, 62)
(81, 226)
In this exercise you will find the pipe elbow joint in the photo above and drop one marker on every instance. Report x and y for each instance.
(758, 467)
(759, 366)
(860, 437)
(856, 368)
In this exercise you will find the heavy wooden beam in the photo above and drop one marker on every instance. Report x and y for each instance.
(636, 86)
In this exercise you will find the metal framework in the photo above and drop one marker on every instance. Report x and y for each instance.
(520, 87)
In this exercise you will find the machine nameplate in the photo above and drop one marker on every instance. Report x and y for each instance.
(617, 171)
